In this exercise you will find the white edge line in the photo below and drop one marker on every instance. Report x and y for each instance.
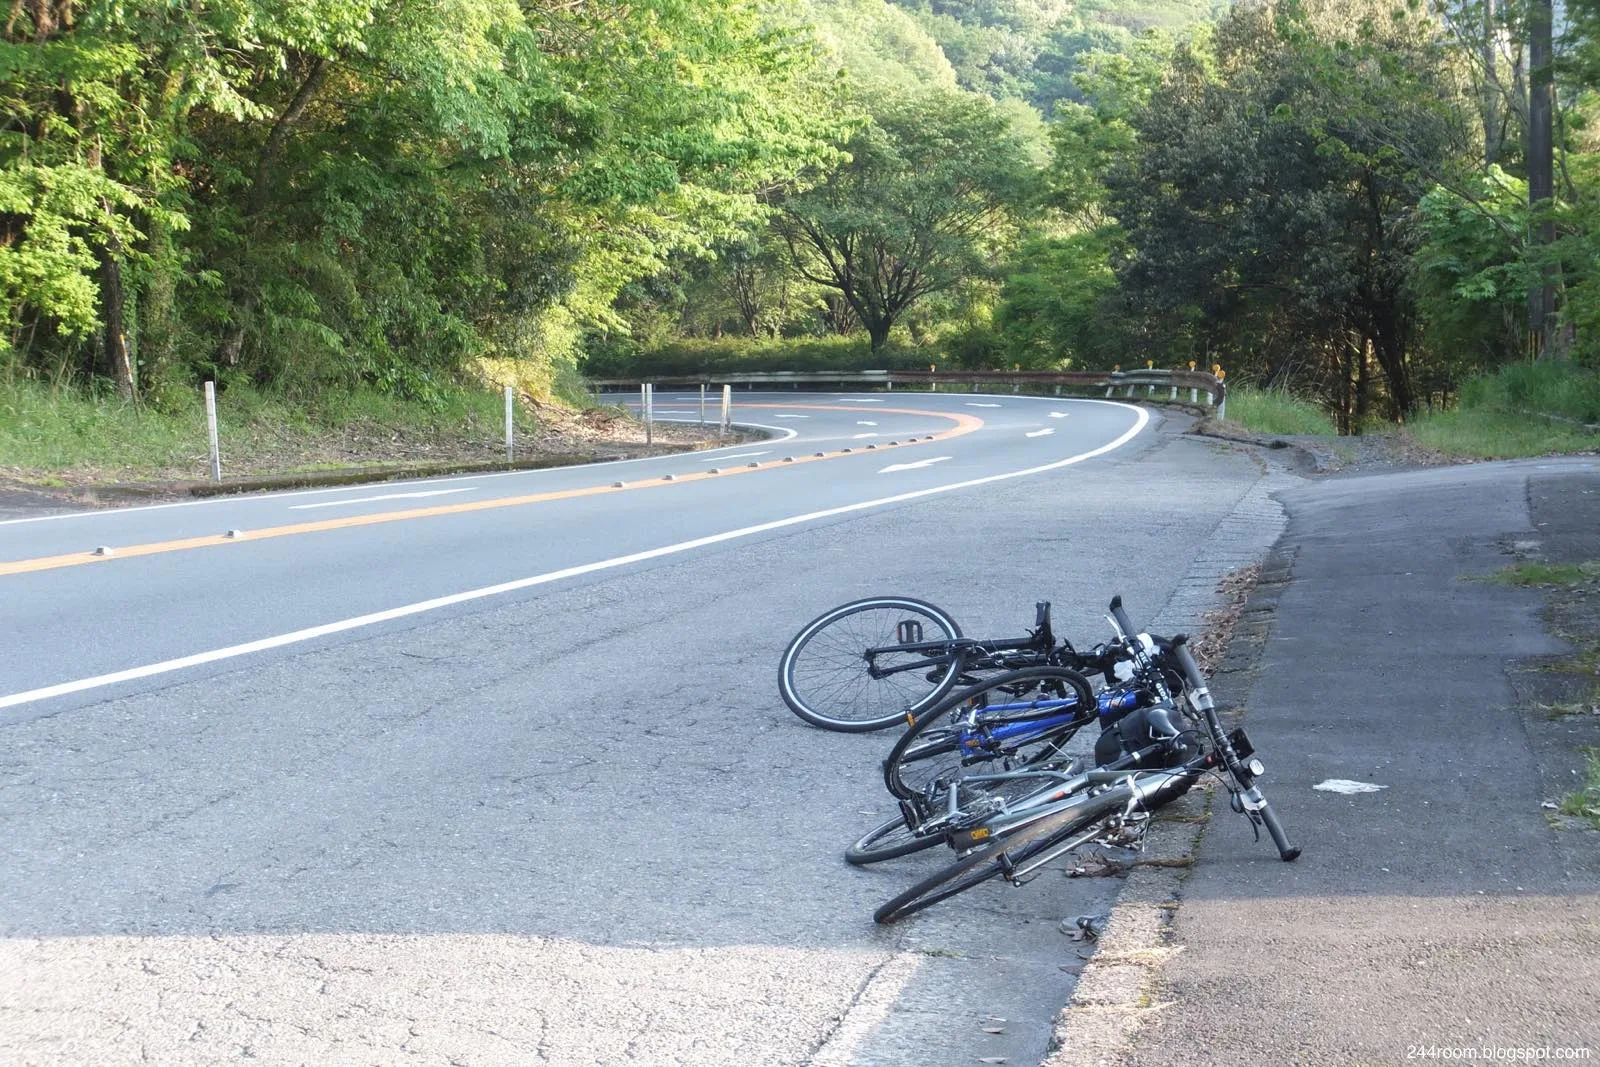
(234, 498)
(313, 632)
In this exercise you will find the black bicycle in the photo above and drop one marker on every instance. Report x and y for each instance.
(876, 663)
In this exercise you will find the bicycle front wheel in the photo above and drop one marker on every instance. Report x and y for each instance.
(826, 678)
(1006, 854)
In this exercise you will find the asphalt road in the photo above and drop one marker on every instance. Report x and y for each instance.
(510, 782)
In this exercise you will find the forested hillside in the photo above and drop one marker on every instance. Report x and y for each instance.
(302, 197)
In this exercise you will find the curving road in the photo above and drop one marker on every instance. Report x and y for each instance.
(492, 769)
(177, 581)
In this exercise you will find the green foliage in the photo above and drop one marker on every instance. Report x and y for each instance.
(1274, 411)
(1487, 434)
(928, 199)
(1546, 388)
(1053, 310)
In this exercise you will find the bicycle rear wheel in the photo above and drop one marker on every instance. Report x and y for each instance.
(930, 755)
(890, 841)
(825, 678)
(1008, 853)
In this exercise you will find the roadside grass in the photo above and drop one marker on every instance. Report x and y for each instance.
(1547, 574)
(48, 433)
(1273, 411)
(1479, 433)
(1585, 803)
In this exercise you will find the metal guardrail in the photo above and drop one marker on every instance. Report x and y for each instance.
(1152, 382)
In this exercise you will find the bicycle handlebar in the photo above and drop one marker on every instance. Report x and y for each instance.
(1122, 618)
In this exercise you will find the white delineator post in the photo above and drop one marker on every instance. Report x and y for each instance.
(702, 403)
(649, 413)
(511, 427)
(211, 431)
(727, 411)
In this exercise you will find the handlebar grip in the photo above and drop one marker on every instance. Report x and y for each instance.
(1286, 851)
(1191, 669)
(1122, 617)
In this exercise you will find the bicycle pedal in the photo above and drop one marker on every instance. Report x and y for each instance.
(961, 840)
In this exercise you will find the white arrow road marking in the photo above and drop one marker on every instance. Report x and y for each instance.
(1040, 433)
(865, 423)
(736, 455)
(1346, 786)
(859, 436)
(891, 468)
(1058, 414)
(385, 496)
(970, 404)
(791, 416)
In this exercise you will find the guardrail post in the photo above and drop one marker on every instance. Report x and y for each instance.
(211, 430)
(1130, 390)
(1108, 390)
(1150, 389)
(727, 411)
(1222, 408)
(1194, 394)
(1174, 395)
(511, 427)
(647, 405)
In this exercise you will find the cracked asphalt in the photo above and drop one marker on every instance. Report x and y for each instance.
(573, 824)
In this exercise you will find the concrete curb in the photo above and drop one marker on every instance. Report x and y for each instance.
(1119, 986)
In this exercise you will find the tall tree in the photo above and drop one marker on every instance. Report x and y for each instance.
(929, 195)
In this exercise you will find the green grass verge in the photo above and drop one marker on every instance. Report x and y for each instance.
(45, 431)
(1548, 574)
(1486, 434)
(1585, 803)
(1273, 411)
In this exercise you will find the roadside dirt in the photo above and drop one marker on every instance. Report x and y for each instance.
(360, 452)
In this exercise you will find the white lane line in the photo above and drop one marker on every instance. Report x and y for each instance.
(237, 498)
(791, 416)
(970, 404)
(311, 633)
(864, 422)
(735, 455)
(859, 436)
(1058, 414)
(670, 411)
(857, 400)
(383, 496)
(918, 465)
(1040, 433)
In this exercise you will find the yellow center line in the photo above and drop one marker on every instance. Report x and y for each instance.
(965, 424)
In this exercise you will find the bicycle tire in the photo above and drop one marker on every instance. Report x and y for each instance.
(930, 749)
(890, 841)
(823, 676)
(1016, 848)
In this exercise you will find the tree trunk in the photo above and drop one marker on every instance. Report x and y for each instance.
(243, 302)
(1490, 97)
(1541, 177)
(113, 306)
(878, 331)
(1363, 382)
